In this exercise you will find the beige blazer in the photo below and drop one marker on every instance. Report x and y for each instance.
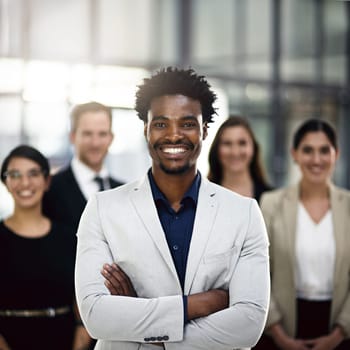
(229, 249)
(279, 209)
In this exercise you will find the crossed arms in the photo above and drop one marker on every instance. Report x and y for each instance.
(227, 303)
(198, 305)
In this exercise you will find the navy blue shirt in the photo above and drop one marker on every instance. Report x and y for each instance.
(177, 225)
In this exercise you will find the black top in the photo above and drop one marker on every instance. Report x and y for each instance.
(37, 273)
(64, 202)
(259, 189)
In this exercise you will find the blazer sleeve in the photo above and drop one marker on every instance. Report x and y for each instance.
(343, 319)
(242, 323)
(342, 295)
(118, 318)
(268, 205)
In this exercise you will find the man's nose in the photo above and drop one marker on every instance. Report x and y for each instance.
(174, 132)
(96, 140)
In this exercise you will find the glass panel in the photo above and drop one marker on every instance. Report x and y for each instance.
(81, 82)
(116, 86)
(335, 42)
(124, 33)
(298, 41)
(46, 126)
(213, 44)
(258, 40)
(6, 202)
(11, 124)
(59, 29)
(11, 27)
(165, 29)
(128, 155)
(45, 81)
(11, 73)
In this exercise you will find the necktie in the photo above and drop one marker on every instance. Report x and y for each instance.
(99, 181)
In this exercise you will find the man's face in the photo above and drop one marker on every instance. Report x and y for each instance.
(174, 132)
(92, 138)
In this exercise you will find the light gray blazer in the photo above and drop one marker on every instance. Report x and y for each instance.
(229, 250)
(279, 208)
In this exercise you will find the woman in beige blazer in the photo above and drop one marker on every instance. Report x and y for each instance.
(308, 226)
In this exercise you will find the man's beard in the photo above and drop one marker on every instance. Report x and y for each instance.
(176, 171)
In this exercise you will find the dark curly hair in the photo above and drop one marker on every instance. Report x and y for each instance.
(173, 81)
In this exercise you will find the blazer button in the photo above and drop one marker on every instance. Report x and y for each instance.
(152, 338)
(165, 337)
(146, 339)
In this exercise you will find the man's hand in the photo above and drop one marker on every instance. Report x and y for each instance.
(3, 344)
(117, 281)
(206, 303)
(81, 339)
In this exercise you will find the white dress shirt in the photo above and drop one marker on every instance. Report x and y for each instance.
(85, 177)
(315, 256)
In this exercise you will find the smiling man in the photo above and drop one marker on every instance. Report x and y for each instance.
(91, 135)
(173, 261)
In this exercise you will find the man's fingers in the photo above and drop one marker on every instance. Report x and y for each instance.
(119, 279)
(112, 283)
(125, 279)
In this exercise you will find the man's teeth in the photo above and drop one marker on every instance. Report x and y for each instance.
(174, 150)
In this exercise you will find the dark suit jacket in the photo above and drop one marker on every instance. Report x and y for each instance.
(64, 202)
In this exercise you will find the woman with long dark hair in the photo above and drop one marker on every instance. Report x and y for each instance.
(235, 160)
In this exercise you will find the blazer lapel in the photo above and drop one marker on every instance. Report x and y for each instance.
(205, 215)
(145, 208)
(290, 211)
(338, 216)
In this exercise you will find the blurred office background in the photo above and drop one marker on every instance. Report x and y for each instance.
(275, 61)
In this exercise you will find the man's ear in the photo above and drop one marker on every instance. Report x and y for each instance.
(205, 130)
(112, 138)
(145, 129)
(72, 137)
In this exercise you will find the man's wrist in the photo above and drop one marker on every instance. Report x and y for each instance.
(79, 323)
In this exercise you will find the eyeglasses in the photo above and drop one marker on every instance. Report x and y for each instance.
(16, 175)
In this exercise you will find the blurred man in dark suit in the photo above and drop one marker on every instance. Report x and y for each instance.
(91, 134)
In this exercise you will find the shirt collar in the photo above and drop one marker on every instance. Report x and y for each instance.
(84, 173)
(191, 193)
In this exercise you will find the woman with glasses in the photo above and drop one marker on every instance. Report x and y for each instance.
(36, 262)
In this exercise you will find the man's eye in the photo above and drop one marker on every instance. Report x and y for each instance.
(189, 125)
(159, 125)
